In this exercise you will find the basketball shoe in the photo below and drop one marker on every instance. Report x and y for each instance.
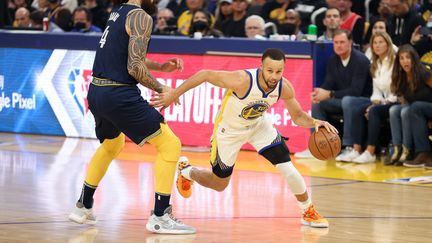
(184, 185)
(312, 218)
(82, 215)
(168, 224)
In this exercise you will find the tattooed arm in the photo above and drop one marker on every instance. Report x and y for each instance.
(139, 27)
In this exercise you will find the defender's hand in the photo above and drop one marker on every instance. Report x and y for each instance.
(172, 64)
(164, 99)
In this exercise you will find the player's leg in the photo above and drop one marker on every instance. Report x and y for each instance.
(169, 147)
(112, 142)
(226, 144)
(269, 144)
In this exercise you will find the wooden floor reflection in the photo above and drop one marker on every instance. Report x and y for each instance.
(40, 179)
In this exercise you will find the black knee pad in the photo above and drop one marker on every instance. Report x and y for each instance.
(220, 169)
(276, 153)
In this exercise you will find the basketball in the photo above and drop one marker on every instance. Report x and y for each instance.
(324, 145)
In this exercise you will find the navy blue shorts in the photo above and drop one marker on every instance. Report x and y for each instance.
(122, 109)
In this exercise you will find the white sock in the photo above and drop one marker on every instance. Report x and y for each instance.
(186, 172)
(305, 205)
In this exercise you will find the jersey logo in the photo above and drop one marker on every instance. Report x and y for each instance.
(254, 110)
(78, 82)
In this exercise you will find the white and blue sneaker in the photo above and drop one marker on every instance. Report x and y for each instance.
(82, 215)
(168, 224)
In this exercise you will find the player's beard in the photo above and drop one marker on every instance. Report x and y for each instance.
(267, 83)
(149, 6)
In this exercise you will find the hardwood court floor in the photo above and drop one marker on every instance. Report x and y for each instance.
(41, 177)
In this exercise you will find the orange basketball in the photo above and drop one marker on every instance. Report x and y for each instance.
(324, 145)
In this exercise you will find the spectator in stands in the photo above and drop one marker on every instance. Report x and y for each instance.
(98, 11)
(235, 26)
(185, 18)
(36, 19)
(351, 21)
(403, 22)
(374, 110)
(177, 7)
(22, 18)
(223, 12)
(275, 10)
(82, 20)
(255, 7)
(14, 5)
(380, 25)
(201, 23)
(165, 23)
(254, 27)
(347, 74)
(317, 17)
(53, 7)
(410, 82)
(332, 22)
(421, 40)
(291, 25)
(64, 19)
(42, 5)
(305, 8)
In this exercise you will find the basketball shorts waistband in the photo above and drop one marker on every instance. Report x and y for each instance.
(106, 82)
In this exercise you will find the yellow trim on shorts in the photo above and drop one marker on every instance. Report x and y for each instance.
(218, 120)
(159, 131)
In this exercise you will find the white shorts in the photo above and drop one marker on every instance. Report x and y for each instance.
(227, 142)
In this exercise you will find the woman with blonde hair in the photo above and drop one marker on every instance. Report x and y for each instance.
(373, 111)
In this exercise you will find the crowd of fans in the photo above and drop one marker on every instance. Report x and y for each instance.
(379, 78)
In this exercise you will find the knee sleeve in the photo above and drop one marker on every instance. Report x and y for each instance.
(167, 144)
(276, 154)
(114, 146)
(292, 176)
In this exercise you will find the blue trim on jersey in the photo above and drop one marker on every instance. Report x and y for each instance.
(280, 88)
(269, 146)
(250, 86)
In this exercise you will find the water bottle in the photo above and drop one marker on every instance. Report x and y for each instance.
(312, 32)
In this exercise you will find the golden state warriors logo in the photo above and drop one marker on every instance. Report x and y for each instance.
(254, 110)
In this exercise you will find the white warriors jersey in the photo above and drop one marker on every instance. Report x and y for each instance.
(243, 112)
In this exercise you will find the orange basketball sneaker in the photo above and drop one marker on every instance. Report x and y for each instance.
(184, 186)
(312, 218)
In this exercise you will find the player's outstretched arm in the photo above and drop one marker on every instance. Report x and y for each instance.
(299, 116)
(139, 27)
(237, 81)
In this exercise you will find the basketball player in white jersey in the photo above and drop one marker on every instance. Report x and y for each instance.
(241, 119)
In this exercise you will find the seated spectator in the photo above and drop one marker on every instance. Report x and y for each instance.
(332, 22)
(22, 18)
(98, 11)
(254, 27)
(317, 17)
(404, 21)
(201, 23)
(223, 12)
(36, 19)
(378, 26)
(384, 14)
(351, 21)
(410, 82)
(165, 23)
(82, 20)
(421, 40)
(14, 5)
(185, 18)
(347, 74)
(64, 19)
(374, 110)
(291, 25)
(275, 10)
(235, 26)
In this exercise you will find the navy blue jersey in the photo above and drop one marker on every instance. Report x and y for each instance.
(112, 55)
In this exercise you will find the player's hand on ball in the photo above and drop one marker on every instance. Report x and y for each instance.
(172, 64)
(329, 127)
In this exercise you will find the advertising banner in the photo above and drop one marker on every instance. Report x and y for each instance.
(45, 92)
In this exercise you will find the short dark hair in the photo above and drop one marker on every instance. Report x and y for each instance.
(343, 31)
(274, 54)
(89, 16)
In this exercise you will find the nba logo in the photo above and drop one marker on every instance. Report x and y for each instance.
(78, 82)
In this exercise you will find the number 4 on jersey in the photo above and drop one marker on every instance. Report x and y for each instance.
(104, 36)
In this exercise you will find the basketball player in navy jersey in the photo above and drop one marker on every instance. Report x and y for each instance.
(119, 110)
(242, 118)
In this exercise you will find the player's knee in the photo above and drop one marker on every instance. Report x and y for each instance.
(277, 153)
(170, 147)
(219, 184)
(220, 187)
(114, 146)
